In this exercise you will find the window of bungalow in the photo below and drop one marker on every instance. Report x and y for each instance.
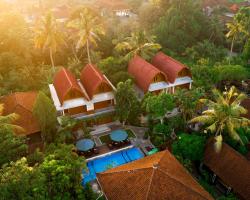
(183, 73)
(158, 78)
(73, 94)
(103, 88)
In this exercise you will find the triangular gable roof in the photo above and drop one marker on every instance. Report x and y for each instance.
(159, 176)
(169, 66)
(230, 166)
(64, 81)
(22, 104)
(92, 78)
(143, 72)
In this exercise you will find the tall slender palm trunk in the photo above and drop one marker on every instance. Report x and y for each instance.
(232, 46)
(52, 59)
(89, 60)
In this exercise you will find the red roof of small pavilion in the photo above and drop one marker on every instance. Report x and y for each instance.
(92, 78)
(65, 81)
(230, 166)
(169, 66)
(22, 104)
(143, 72)
(159, 176)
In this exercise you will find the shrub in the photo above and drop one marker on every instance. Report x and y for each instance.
(190, 146)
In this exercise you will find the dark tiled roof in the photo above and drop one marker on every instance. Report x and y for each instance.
(22, 104)
(231, 167)
(169, 66)
(156, 177)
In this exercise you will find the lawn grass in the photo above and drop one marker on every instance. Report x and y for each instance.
(105, 139)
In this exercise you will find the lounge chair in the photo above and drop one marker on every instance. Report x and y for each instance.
(110, 146)
(96, 151)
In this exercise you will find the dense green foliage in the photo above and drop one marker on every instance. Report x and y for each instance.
(127, 103)
(158, 105)
(11, 147)
(57, 175)
(180, 27)
(190, 146)
(45, 112)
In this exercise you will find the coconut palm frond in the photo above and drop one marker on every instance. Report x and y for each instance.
(232, 133)
(208, 112)
(206, 119)
(212, 127)
(239, 99)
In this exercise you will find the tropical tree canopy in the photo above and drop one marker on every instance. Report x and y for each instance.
(12, 147)
(224, 115)
(159, 105)
(127, 103)
(139, 43)
(88, 27)
(45, 112)
(187, 101)
(48, 35)
(8, 120)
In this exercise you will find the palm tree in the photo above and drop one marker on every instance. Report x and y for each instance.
(88, 28)
(235, 29)
(8, 120)
(224, 115)
(48, 36)
(139, 43)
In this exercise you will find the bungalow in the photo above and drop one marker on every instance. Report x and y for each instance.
(147, 77)
(117, 7)
(231, 169)
(164, 74)
(177, 74)
(159, 176)
(22, 104)
(89, 97)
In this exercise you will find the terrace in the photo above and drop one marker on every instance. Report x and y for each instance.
(103, 143)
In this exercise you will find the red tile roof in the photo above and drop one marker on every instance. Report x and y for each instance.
(65, 81)
(143, 72)
(92, 78)
(231, 167)
(156, 177)
(22, 104)
(169, 66)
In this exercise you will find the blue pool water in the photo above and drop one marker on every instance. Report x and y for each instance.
(110, 161)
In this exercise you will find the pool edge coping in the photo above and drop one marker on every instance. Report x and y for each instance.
(109, 153)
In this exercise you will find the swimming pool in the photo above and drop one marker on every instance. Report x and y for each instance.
(110, 161)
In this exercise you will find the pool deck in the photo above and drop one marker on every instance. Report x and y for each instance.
(107, 151)
(138, 141)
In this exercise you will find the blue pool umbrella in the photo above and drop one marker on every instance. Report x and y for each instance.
(118, 135)
(84, 144)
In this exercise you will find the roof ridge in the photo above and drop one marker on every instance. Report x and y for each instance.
(96, 72)
(66, 75)
(126, 170)
(150, 183)
(174, 60)
(179, 181)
